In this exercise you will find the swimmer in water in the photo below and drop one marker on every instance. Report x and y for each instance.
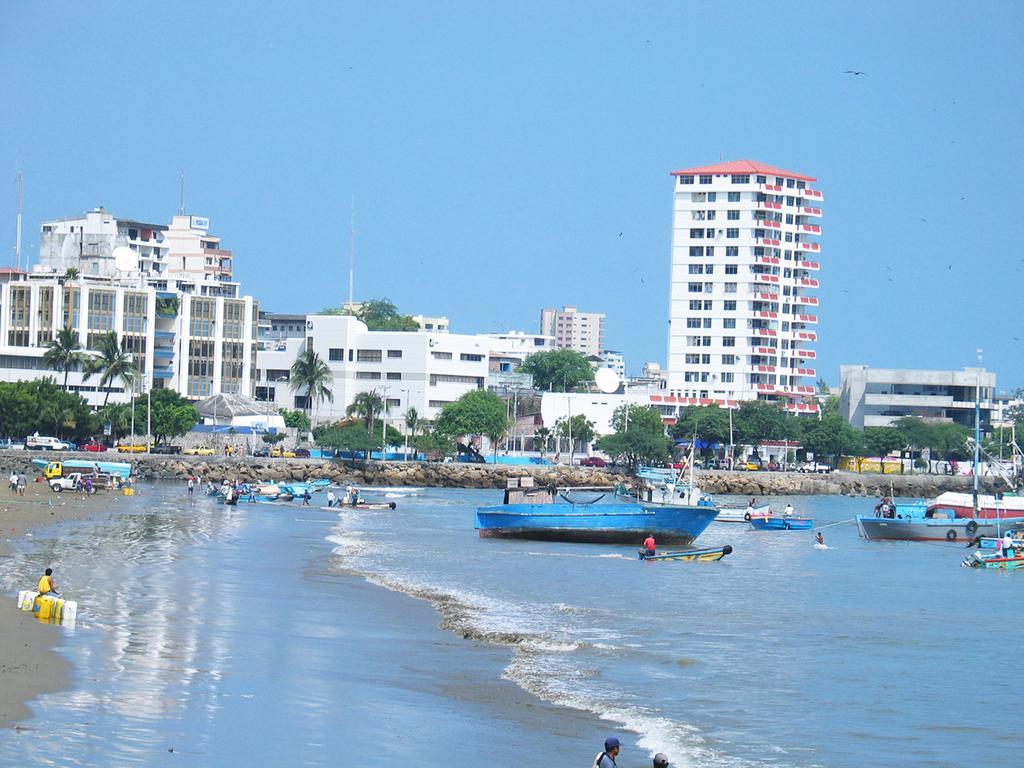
(819, 539)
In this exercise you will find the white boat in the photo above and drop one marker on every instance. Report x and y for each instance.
(742, 514)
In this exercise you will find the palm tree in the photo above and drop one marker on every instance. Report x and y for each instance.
(113, 364)
(118, 416)
(310, 372)
(71, 274)
(542, 436)
(65, 352)
(366, 406)
(412, 422)
(57, 413)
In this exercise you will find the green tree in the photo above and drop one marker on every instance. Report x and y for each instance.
(823, 387)
(19, 410)
(433, 445)
(351, 438)
(366, 406)
(412, 422)
(579, 431)
(881, 441)
(709, 423)
(637, 439)
(113, 364)
(310, 373)
(541, 437)
(118, 416)
(757, 420)
(273, 438)
(70, 274)
(65, 352)
(558, 370)
(295, 419)
(382, 315)
(171, 414)
(477, 412)
(831, 437)
(57, 414)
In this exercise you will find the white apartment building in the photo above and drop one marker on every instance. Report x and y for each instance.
(175, 307)
(422, 370)
(182, 251)
(614, 360)
(572, 329)
(876, 397)
(743, 308)
(196, 345)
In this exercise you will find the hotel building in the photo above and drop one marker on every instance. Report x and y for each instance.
(743, 312)
(176, 308)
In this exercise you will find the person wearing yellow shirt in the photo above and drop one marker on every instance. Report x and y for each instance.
(47, 586)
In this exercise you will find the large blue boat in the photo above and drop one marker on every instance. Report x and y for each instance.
(549, 515)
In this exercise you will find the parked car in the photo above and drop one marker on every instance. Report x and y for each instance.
(131, 448)
(261, 452)
(70, 483)
(281, 453)
(10, 445)
(199, 450)
(593, 461)
(94, 446)
(166, 448)
(748, 466)
(814, 467)
(301, 453)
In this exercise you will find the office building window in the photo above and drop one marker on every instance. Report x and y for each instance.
(705, 178)
(728, 341)
(696, 305)
(682, 180)
(393, 353)
(441, 355)
(394, 376)
(729, 306)
(729, 322)
(734, 216)
(734, 197)
(368, 355)
(336, 354)
(732, 233)
(730, 287)
(728, 359)
(741, 178)
(372, 375)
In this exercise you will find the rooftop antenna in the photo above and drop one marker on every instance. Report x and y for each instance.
(181, 199)
(352, 256)
(17, 235)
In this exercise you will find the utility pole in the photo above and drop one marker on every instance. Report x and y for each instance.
(17, 235)
(181, 198)
(352, 256)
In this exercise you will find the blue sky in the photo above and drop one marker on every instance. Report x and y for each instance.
(496, 151)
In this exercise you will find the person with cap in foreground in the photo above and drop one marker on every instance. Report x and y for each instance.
(606, 759)
(660, 761)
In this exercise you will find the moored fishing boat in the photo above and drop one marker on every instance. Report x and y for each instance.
(920, 521)
(545, 514)
(362, 505)
(710, 555)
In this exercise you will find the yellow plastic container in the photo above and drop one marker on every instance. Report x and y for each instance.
(48, 609)
(128, 491)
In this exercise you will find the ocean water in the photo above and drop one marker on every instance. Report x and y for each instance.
(264, 634)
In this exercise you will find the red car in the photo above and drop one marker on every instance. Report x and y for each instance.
(593, 461)
(94, 447)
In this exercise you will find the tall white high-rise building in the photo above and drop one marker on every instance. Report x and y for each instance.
(743, 312)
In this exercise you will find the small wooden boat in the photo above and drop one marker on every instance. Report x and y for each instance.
(994, 560)
(710, 555)
(772, 523)
(362, 505)
(741, 514)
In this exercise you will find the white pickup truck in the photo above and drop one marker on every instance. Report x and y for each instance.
(70, 482)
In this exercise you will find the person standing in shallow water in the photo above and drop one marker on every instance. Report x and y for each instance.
(606, 759)
(650, 545)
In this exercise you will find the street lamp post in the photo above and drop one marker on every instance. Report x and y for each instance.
(149, 415)
(405, 450)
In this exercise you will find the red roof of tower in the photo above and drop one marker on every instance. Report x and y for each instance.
(743, 166)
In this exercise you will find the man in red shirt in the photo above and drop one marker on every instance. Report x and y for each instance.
(649, 545)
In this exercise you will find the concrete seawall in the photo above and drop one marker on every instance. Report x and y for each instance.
(249, 469)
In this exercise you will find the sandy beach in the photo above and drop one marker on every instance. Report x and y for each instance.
(29, 666)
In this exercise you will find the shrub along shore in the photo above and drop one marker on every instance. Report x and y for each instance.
(458, 475)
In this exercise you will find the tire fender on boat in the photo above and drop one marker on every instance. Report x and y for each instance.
(951, 535)
(972, 527)
(746, 516)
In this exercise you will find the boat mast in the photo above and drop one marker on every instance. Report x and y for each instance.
(977, 432)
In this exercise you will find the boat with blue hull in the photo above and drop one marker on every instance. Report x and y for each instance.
(544, 514)
(770, 523)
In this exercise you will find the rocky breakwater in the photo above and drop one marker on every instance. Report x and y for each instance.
(838, 484)
(455, 475)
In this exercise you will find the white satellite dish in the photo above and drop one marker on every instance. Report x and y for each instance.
(607, 380)
(125, 259)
